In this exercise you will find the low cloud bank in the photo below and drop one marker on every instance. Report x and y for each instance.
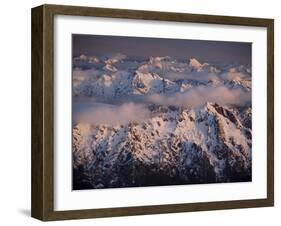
(79, 75)
(200, 95)
(195, 76)
(233, 75)
(113, 115)
(206, 76)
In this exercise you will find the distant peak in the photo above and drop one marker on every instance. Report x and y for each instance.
(114, 58)
(194, 63)
(83, 57)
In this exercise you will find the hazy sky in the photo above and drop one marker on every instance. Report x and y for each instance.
(210, 51)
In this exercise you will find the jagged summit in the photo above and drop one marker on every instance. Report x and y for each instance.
(194, 63)
(188, 146)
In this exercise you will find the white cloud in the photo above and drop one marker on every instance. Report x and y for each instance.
(113, 115)
(198, 96)
(79, 75)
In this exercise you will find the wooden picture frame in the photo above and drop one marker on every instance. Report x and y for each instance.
(43, 112)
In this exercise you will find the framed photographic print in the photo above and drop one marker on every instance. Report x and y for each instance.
(141, 112)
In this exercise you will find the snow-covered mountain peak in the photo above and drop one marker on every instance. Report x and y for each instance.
(189, 142)
(194, 63)
(208, 106)
(114, 58)
(83, 57)
(109, 66)
(152, 83)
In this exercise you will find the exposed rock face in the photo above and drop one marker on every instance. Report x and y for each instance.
(178, 146)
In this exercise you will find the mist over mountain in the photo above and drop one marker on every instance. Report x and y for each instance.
(159, 121)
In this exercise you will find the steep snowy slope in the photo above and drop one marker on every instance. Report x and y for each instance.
(176, 146)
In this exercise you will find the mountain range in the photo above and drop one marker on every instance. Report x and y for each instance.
(159, 121)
